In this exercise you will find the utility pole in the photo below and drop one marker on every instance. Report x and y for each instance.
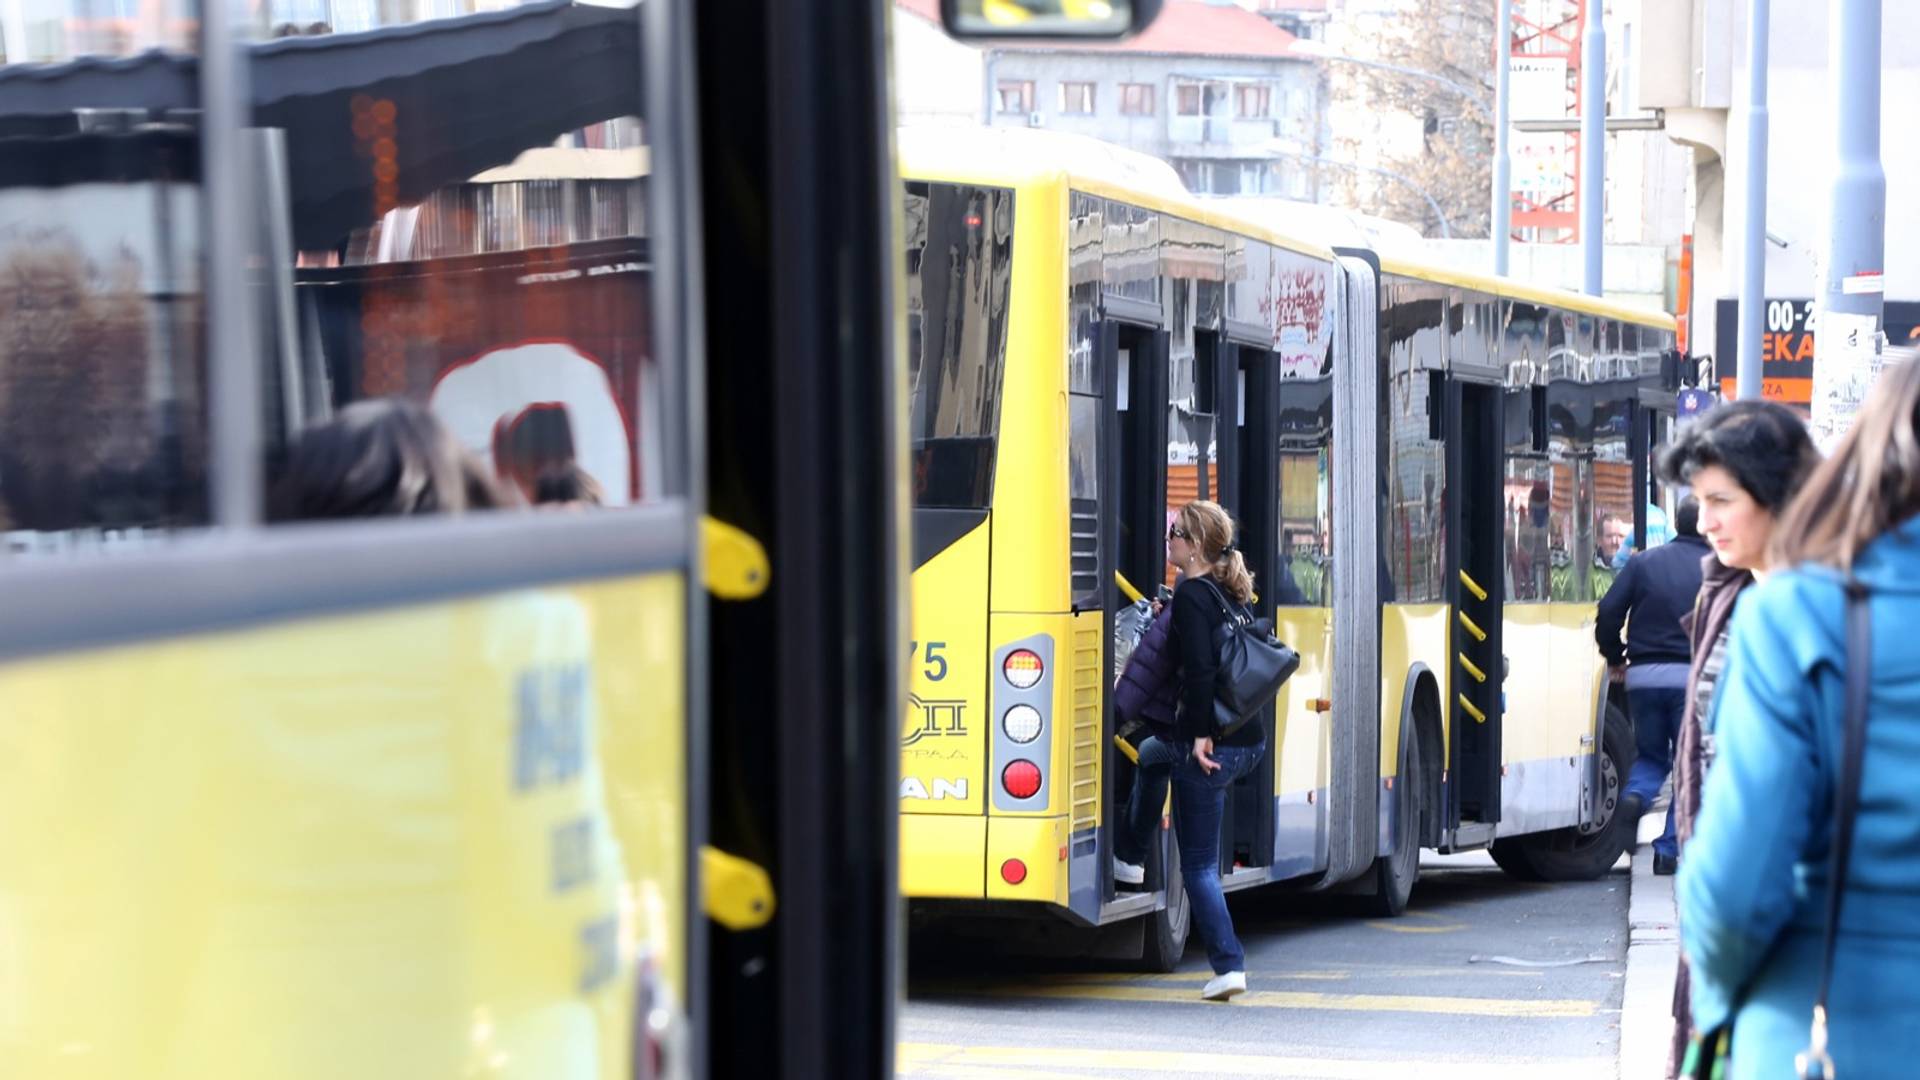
(1749, 366)
(1502, 160)
(1593, 147)
(1846, 346)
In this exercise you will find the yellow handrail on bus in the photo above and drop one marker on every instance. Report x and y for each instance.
(736, 565)
(1478, 716)
(1472, 586)
(1478, 675)
(1133, 595)
(735, 893)
(1472, 627)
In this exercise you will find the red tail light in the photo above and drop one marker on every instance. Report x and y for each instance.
(1013, 871)
(1021, 779)
(1023, 669)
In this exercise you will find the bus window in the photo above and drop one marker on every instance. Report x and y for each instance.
(1306, 485)
(959, 269)
(103, 404)
(1415, 325)
(480, 250)
(1529, 477)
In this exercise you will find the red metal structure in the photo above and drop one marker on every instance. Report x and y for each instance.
(1551, 29)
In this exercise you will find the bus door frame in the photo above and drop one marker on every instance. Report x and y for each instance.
(1248, 488)
(1475, 775)
(1141, 322)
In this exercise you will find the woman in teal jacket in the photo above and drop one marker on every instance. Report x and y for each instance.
(1752, 887)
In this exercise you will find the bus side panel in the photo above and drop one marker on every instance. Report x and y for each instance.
(1300, 747)
(942, 736)
(1031, 496)
(422, 842)
(1409, 634)
(1541, 752)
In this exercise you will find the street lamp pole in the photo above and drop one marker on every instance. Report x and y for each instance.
(1748, 365)
(1852, 290)
(1502, 161)
(1593, 148)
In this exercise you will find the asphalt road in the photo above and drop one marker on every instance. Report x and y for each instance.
(1483, 977)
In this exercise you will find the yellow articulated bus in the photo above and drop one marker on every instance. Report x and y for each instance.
(1433, 474)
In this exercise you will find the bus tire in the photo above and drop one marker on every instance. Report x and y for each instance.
(1395, 873)
(1584, 852)
(1165, 939)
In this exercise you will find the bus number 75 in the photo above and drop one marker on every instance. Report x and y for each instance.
(936, 661)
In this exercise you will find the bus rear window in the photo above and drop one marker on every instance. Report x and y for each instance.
(959, 265)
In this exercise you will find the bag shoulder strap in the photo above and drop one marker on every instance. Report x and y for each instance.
(1237, 618)
(1846, 807)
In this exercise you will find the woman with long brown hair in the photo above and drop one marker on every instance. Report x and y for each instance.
(1753, 883)
(1215, 587)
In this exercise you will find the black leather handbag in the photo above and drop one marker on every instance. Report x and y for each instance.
(1253, 665)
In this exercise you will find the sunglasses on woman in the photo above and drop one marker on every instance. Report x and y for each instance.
(1175, 532)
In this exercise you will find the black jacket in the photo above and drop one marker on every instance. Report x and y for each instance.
(1656, 588)
(1196, 614)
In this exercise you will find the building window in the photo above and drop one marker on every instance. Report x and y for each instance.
(1016, 96)
(1076, 98)
(1253, 102)
(1188, 101)
(1136, 99)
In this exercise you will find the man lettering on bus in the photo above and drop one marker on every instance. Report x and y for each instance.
(1649, 598)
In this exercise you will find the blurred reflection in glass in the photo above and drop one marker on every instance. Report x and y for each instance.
(103, 439)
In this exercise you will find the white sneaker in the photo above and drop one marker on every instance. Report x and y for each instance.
(1127, 873)
(1222, 987)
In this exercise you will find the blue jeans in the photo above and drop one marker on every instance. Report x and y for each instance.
(1199, 799)
(1151, 775)
(1656, 724)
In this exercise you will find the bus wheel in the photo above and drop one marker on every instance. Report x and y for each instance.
(1584, 852)
(1394, 874)
(1165, 940)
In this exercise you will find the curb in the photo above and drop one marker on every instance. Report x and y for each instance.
(1653, 955)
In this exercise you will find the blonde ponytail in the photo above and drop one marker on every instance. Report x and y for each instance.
(1211, 530)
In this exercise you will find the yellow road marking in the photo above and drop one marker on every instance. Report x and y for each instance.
(1543, 1009)
(956, 1062)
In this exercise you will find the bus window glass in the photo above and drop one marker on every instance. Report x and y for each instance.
(1415, 326)
(1083, 295)
(103, 394)
(1613, 490)
(469, 234)
(1306, 485)
(1570, 451)
(1529, 476)
(1130, 259)
(959, 266)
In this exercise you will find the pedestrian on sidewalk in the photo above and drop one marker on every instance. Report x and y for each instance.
(1744, 460)
(1753, 892)
(1648, 600)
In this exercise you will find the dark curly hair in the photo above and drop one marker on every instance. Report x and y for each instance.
(1762, 443)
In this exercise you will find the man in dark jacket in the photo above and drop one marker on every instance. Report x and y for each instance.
(1650, 596)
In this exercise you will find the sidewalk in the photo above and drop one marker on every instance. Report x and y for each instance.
(1653, 951)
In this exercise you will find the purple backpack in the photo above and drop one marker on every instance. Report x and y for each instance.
(1148, 689)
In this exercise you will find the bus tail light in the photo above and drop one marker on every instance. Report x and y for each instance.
(1013, 871)
(1021, 779)
(1022, 724)
(1021, 734)
(1023, 669)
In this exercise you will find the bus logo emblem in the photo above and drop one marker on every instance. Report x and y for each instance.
(930, 719)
